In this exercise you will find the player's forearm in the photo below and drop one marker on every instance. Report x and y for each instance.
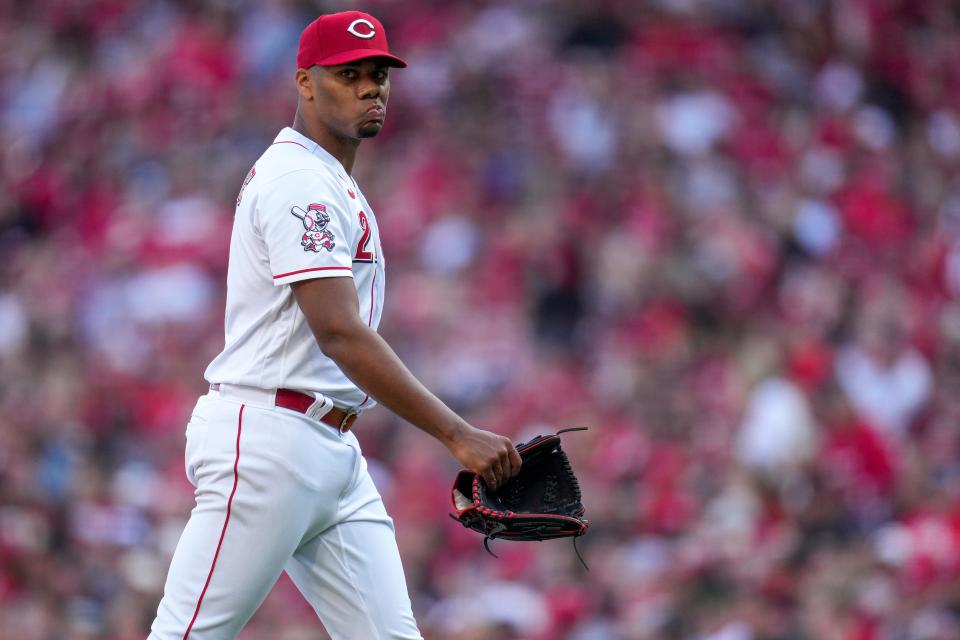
(372, 365)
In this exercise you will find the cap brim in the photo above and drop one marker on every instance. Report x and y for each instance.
(360, 54)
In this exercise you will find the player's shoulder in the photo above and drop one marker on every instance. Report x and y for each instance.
(280, 175)
(280, 164)
(294, 168)
(293, 153)
(300, 184)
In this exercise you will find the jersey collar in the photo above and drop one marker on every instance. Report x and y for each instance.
(288, 134)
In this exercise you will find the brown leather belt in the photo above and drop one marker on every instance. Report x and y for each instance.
(295, 401)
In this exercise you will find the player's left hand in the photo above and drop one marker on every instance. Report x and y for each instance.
(541, 503)
(491, 456)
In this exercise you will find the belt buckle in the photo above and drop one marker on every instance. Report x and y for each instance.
(347, 421)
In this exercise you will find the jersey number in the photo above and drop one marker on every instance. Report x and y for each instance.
(362, 254)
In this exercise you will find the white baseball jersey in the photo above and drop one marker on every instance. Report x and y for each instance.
(299, 215)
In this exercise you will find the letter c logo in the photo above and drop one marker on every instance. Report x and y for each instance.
(366, 35)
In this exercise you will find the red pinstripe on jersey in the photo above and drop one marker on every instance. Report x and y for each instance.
(373, 300)
(226, 521)
(293, 273)
(289, 142)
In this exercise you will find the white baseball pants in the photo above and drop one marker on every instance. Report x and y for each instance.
(278, 491)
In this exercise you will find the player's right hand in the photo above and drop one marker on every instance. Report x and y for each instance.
(489, 455)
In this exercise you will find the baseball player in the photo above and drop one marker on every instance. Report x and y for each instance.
(281, 484)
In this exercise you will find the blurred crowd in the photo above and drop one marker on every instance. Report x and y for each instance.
(723, 234)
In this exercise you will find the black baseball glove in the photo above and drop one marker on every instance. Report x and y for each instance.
(541, 502)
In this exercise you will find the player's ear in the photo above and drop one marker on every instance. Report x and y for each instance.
(304, 82)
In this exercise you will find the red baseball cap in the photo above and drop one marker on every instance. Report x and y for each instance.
(338, 38)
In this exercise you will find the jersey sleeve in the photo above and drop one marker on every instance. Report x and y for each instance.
(306, 228)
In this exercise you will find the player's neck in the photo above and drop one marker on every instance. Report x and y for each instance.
(343, 149)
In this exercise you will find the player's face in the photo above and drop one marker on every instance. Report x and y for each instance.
(351, 99)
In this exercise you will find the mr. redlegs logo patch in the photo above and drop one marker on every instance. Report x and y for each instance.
(315, 220)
